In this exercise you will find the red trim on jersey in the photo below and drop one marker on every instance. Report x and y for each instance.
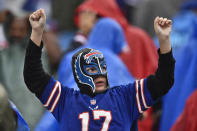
(51, 95)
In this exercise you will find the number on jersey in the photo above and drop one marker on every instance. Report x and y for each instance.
(96, 115)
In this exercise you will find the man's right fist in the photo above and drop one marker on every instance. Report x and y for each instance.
(38, 20)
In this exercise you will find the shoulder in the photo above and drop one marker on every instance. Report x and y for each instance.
(56, 85)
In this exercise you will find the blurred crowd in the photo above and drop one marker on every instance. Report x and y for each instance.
(123, 31)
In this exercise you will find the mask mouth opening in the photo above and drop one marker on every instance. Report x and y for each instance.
(101, 81)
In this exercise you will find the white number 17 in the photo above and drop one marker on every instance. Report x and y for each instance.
(96, 115)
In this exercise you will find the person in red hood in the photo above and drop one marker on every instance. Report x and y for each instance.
(141, 51)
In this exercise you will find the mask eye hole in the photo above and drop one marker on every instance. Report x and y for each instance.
(91, 70)
(104, 68)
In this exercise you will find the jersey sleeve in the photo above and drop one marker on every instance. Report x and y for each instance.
(53, 98)
(137, 98)
(142, 96)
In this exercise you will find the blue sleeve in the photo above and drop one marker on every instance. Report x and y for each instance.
(138, 98)
(53, 98)
(143, 96)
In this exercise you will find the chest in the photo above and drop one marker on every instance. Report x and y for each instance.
(101, 113)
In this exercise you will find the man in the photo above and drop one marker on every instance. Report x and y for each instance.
(96, 106)
(17, 31)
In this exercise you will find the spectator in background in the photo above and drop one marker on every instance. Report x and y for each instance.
(184, 39)
(184, 25)
(188, 118)
(16, 31)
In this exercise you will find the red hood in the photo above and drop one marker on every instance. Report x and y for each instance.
(105, 8)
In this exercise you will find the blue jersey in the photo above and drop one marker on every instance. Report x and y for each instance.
(117, 109)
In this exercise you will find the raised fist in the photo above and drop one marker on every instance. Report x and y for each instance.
(38, 20)
(162, 27)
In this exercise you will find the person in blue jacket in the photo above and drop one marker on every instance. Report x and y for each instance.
(184, 39)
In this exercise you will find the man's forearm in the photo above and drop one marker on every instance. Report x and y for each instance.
(165, 45)
(36, 37)
(35, 77)
(161, 82)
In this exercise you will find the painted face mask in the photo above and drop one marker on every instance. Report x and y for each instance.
(88, 64)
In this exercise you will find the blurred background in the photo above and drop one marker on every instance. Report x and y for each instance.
(123, 31)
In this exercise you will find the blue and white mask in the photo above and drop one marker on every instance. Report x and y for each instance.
(88, 64)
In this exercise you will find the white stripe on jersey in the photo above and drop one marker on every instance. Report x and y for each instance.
(56, 99)
(137, 97)
(142, 93)
(57, 84)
